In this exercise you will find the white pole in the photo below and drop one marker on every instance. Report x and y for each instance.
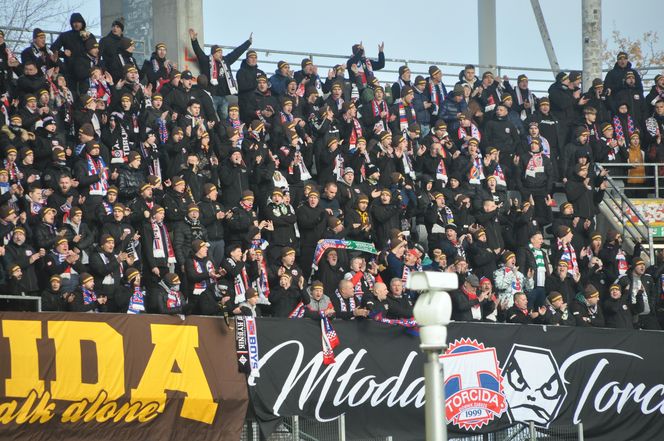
(434, 392)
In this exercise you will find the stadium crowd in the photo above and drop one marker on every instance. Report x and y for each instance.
(140, 188)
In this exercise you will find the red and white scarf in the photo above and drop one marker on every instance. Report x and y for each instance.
(201, 286)
(96, 166)
(441, 172)
(161, 244)
(476, 310)
(355, 134)
(436, 99)
(569, 256)
(500, 176)
(364, 70)
(329, 339)
(403, 118)
(464, 136)
(240, 283)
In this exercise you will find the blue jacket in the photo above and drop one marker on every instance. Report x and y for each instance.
(450, 109)
(422, 114)
(278, 83)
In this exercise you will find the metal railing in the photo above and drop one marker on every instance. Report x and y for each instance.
(540, 78)
(36, 299)
(24, 39)
(307, 429)
(651, 184)
(621, 208)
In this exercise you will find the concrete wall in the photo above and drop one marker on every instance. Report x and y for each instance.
(167, 21)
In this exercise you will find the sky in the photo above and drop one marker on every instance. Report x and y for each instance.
(447, 32)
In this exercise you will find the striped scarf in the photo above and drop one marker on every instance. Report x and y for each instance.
(546, 147)
(99, 90)
(378, 108)
(201, 286)
(261, 285)
(364, 70)
(569, 256)
(12, 170)
(240, 283)
(476, 173)
(174, 299)
(436, 99)
(462, 133)
(617, 126)
(441, 172)
(136, 303)
(354, 135)
(163, 130)
(403, 118)
(298, 312)
(329, 339)
(342, 302)
(500, 176)
(96, 166)
(236, 124)
(539, 256)
(161, 242)
(516, 282)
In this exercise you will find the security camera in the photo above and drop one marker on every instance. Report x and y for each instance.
(433, 308)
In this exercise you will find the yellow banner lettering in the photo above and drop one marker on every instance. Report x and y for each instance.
(23, 336)
(69, 383)
(176, 344)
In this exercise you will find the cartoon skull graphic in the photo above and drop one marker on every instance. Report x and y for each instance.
(533, 385)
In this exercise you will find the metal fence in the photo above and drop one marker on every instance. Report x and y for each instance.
(19, 38)
(617, 205)
(539, 78)
(307, 429)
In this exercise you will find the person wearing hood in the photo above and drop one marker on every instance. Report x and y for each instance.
(73, 41)
(615, 78)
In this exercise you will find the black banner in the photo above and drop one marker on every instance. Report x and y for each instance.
(610, 380)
